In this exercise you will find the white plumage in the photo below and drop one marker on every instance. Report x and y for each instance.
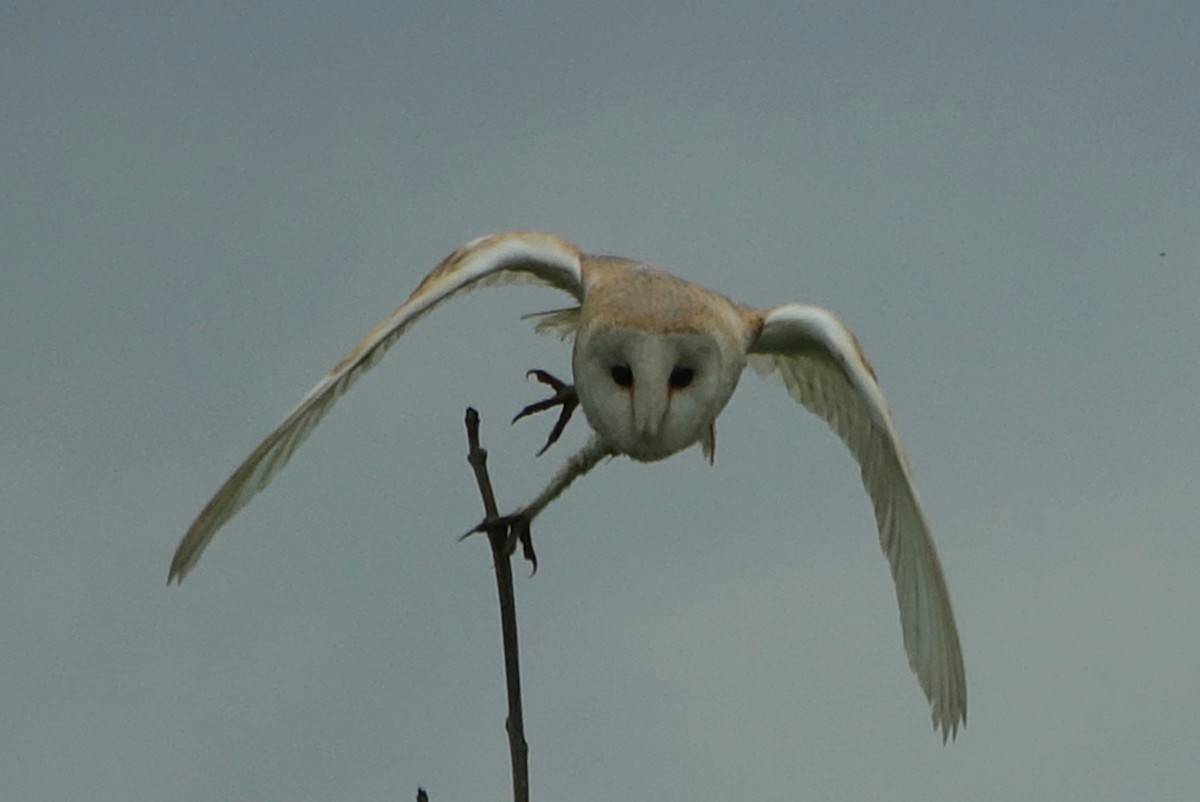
(655, 360)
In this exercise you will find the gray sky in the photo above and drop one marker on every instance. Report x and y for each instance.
(204, 207)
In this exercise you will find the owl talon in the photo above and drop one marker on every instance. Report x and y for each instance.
(564, 396)
(515, 528)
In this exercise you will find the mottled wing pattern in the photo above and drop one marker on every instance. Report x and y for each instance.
(824, 368)
(500, 258)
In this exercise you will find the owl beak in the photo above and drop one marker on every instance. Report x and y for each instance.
(649, 410)
(652, 366)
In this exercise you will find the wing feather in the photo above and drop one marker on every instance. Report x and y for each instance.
(824, 368)
(499, 258)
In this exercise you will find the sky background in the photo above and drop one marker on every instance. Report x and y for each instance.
(205, 205)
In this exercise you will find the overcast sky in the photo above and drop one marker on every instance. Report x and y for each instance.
(204, 205)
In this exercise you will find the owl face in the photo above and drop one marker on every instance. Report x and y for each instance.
(650, 394)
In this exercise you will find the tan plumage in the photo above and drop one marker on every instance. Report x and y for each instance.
(655, 360)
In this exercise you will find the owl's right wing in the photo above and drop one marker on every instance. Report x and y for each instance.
(497, 259)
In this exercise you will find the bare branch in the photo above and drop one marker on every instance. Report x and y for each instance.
(502, 548)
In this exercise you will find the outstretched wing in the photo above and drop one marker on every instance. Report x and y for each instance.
(499, 258)
(824, 369)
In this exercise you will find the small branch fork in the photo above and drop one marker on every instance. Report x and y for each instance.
(502, 549)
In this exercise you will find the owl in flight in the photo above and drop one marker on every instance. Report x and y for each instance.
(655, 360)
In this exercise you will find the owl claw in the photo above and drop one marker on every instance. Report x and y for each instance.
(515, 529)
(564, 396)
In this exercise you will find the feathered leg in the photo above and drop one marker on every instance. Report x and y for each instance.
(516, 524)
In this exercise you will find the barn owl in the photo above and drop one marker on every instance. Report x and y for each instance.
(654, 362)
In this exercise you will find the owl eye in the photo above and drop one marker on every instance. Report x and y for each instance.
(681, 377)
(622, 375)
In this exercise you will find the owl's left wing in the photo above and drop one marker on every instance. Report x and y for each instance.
(499, 258)
(824, 368)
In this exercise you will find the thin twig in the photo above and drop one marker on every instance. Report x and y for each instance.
(501, 553)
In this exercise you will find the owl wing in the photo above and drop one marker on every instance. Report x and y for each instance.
(824, 368)
(499, 258)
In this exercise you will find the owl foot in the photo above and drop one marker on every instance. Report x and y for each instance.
(564, 396)
(515, 529)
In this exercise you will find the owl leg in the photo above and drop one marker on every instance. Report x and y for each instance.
(517, 524)
(564, 396)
